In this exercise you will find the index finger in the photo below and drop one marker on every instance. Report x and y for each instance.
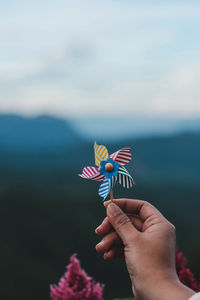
(138, 207)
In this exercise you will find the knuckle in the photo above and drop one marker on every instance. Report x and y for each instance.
(112, 237)
(152, 220)
(170, 228)
(109, 236)
(122, 220)
(143, 204)
(115, 237)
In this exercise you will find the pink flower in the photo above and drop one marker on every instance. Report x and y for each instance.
(184, 273)
(76, 285)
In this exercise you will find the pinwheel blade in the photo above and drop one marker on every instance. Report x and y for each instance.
(122, 156)
(92, 173)
(100, 153)
(124, 178)
(106, 186)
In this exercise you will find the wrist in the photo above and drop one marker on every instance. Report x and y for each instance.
(166, 288)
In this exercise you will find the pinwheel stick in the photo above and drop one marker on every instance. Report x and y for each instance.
(111, 196)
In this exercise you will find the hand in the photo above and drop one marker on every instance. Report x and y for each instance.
(147, 242)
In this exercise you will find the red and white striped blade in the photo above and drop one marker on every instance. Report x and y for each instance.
(92, 173)
(122, 156)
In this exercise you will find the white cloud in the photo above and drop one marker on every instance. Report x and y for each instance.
(181, 93)
(102, 57)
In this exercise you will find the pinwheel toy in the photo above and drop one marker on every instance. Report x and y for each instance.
(110, 169)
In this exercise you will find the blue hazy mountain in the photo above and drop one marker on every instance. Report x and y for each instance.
(46, 131)
(39, 132)
(47, 142)
(120, 128)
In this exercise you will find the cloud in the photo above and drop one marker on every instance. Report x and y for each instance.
(90, 57)
(181, 93)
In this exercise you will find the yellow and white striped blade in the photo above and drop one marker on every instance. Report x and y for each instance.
(100, 153)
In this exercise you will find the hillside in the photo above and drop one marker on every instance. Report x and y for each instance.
(39, 132)
(47, 212)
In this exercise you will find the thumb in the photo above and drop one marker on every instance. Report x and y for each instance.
(121, 223)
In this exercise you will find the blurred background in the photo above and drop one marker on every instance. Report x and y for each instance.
(121, 72)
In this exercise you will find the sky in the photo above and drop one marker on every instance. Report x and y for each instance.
(96, 58)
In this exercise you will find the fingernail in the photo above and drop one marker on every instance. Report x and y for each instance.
(113, 210)
(98, 244)
(96, 230)
(106, 203)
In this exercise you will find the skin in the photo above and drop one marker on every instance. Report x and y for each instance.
(139, 233)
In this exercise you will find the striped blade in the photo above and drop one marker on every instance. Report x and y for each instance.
(106, 186)
(122, 156)
(124, 178)
(100, 153)
(92, 173)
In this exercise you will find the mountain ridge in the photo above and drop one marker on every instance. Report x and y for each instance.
(36, 132)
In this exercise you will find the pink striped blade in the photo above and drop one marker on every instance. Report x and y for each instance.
(92, 173)
(122, 156)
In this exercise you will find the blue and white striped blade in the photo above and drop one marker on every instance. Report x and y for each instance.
(106, 186)
(124, 178)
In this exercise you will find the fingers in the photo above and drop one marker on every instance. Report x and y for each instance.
(115, 252)
(105, 227)
(121, 223)
(109, 241)
(137, 222)
(111, 246)
(139, 207)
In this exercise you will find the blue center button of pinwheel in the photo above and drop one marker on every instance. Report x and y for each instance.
(109, 168)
